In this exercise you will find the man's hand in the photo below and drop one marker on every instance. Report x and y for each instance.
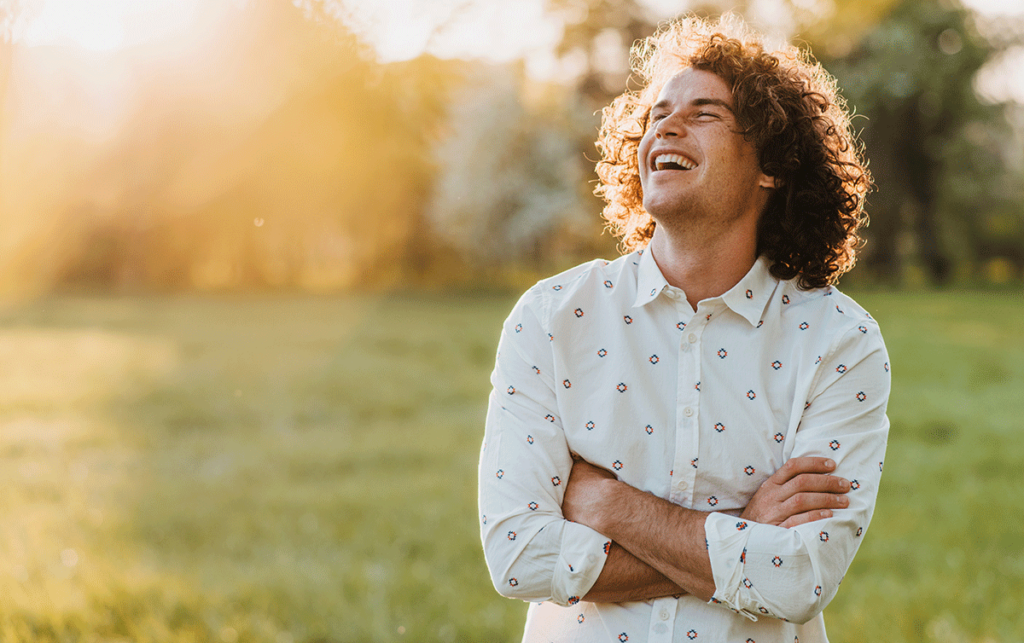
(800, 491)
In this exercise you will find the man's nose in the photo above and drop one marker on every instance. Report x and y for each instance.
(668, 127)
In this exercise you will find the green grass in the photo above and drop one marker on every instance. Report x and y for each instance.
(303, 469)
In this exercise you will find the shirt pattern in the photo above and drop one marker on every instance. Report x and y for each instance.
(610, 362)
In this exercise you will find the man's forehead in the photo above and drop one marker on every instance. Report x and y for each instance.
(695, 86)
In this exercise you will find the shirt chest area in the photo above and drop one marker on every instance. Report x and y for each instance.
(695, 407)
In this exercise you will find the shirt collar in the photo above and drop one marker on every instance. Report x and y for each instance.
(649, 280)
(747, 298)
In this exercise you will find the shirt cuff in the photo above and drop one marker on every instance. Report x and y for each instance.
(727, 548)
(580, 560)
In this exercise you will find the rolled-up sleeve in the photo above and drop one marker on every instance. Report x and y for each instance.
(532, 552)
(793, 573)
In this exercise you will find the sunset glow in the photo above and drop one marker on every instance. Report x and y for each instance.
(106, 25)
(212, 144)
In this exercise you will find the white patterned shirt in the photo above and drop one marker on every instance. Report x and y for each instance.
(610, 362)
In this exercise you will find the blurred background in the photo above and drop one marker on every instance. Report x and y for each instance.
(254, 256)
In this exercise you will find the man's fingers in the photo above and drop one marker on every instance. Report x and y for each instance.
(800, 486)
(807, 516)
(816, 483)
(804, 502)
(806, 464)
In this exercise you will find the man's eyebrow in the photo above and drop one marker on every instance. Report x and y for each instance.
(661, 104)
(696, 102)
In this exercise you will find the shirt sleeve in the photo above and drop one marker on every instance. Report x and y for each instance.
(532, 552)
(793, 573)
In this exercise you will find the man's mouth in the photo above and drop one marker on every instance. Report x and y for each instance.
(672, 162)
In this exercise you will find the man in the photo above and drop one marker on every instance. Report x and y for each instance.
(686, 443)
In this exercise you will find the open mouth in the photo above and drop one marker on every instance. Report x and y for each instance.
(672, 162)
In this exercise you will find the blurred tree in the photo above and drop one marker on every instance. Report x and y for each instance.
(596, 40)
(937, 151)
(598, 35)
(13, 14)
(508, 178)
(273, 153)
(9, 12)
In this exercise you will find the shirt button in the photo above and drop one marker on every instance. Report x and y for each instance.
(663, 615)
(692, 338)
(687, 411)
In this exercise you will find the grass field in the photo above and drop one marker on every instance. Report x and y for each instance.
(303, 469)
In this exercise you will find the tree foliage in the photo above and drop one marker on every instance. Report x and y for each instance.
(948, 190)
(285, 159)
(286, 156)
(508, 178)
(600, 34)
(938, 152)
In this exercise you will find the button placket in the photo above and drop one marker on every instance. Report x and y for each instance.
(662, 620)
(687, 411)
(697, 327)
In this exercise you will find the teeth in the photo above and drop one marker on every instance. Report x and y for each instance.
(662, 159)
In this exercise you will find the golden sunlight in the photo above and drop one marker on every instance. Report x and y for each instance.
(105, 25)
(495, 31)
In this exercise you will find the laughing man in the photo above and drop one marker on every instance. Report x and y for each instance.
(685, 444)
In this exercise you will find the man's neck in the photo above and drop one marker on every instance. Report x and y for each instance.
(707, 267)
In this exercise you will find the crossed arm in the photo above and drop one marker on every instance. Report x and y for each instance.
(659, 548)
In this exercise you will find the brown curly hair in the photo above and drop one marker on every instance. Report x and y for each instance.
(788, 107)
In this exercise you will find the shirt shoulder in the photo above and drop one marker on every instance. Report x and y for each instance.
(839, 328)
(581, 284)
(836, 312)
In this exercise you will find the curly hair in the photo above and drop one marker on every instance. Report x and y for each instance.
(788, 108)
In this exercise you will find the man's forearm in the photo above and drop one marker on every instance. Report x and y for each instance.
(627, 578)
(661, 547)
(665, 536)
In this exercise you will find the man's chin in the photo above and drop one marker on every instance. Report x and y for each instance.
(664, 208)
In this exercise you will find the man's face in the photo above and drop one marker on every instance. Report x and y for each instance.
(693, 160)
